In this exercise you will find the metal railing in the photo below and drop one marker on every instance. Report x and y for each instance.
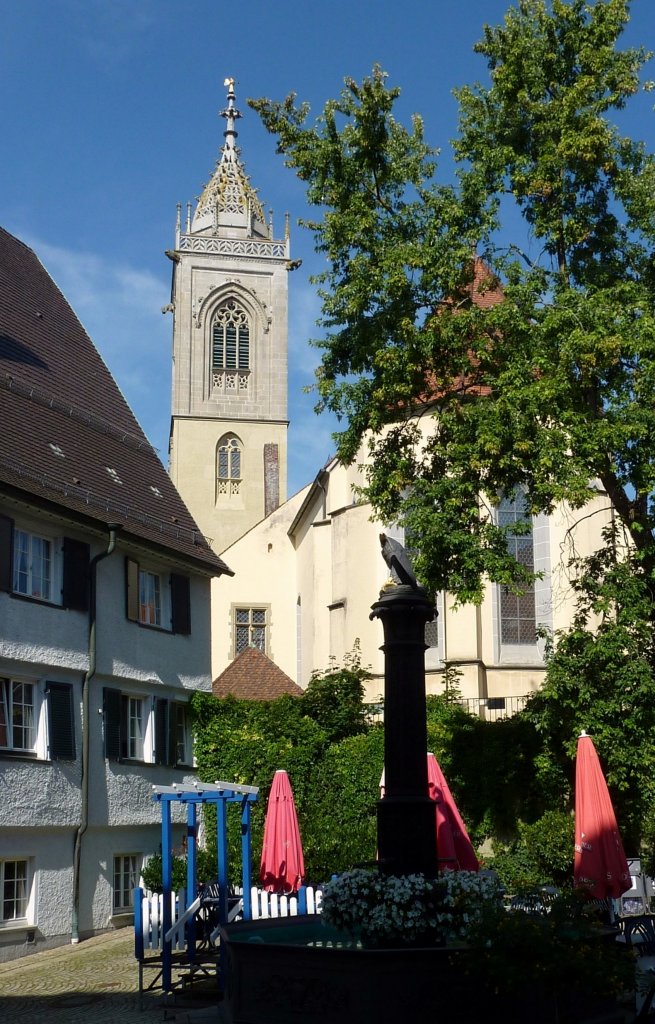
(492, 709)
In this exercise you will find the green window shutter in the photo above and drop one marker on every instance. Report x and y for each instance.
(6, 537)
(180, 604)
(132, 589)
(162, 715)
(61, 721)
(76, 575)
(112, 721)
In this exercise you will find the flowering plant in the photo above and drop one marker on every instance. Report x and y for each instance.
(386, 909)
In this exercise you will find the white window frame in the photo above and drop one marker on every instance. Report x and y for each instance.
(25, 880)
(126, 868)
(137, 721)
(151, 598)
(8, 707)
(26, 581)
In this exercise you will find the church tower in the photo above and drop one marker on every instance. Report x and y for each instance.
(228, 442)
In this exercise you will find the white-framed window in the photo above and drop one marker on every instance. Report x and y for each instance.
(33, 566)
(129, 728)
(127, 868)
(150, 591)
(15, 888)
(18, 715)
(158, 599)
(40, 565)
(134, 726)
(250, 629)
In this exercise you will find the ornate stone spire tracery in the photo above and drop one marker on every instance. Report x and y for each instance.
(229, 198)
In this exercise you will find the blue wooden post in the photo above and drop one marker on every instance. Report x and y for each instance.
(246, 865)
(167, 884)
(221, 853)
(138, 923)
(191, 872)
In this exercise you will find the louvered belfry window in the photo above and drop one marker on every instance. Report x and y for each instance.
(230, 347)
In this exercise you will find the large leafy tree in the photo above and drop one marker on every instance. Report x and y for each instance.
(548, 393)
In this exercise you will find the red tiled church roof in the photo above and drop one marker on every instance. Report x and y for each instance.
(253, 676)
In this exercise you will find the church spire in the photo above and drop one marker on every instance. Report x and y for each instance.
(228, 200)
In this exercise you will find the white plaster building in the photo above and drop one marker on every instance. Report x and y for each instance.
(104, 624)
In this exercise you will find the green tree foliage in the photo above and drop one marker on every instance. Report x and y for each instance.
(548, 394)
(544, 392)
(334, 700)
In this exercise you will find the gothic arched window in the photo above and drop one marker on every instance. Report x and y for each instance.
(518, 624)
(228, 465)
(230, 347)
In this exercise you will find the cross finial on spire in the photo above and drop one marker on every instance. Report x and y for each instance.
(231, 114)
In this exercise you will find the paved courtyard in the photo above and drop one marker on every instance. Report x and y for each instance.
(95, 982)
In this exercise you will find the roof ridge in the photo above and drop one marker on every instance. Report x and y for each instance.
(97, 423)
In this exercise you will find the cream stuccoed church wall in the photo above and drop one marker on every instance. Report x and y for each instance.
(315, 568)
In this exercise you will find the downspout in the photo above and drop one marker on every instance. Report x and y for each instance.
(84, 782)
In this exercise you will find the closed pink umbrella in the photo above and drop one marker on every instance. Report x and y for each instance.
(599, 864)
(454, 848)
(282, 866)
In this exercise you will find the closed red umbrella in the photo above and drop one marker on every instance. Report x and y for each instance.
(600, 864)
(282, 866)
(454, 848)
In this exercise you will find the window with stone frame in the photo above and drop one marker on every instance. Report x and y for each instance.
(517, 612)
(250, 629)
(229, 466)
(230, 348)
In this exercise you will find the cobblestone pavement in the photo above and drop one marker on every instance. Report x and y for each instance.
(95, 982)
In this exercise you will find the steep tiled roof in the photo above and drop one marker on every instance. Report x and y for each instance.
(253, 676)
(68, 437)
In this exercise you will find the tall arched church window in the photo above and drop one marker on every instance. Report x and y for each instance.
(228, 465)
(230, 341)
(518, 620)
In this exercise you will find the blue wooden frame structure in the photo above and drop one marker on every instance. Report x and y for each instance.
(220, 794)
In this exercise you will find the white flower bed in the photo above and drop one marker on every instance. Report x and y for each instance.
(386, 909)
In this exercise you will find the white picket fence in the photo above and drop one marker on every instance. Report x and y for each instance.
(270, 904)
(149, 924)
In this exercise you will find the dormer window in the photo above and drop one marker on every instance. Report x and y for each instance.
(230, 340)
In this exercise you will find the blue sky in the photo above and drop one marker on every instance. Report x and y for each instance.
(109, 118)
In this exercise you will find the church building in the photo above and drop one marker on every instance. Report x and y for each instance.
(308, 569)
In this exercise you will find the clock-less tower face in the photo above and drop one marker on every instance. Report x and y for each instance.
(228, 444)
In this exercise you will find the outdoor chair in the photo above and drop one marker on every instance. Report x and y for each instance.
(639, 934)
